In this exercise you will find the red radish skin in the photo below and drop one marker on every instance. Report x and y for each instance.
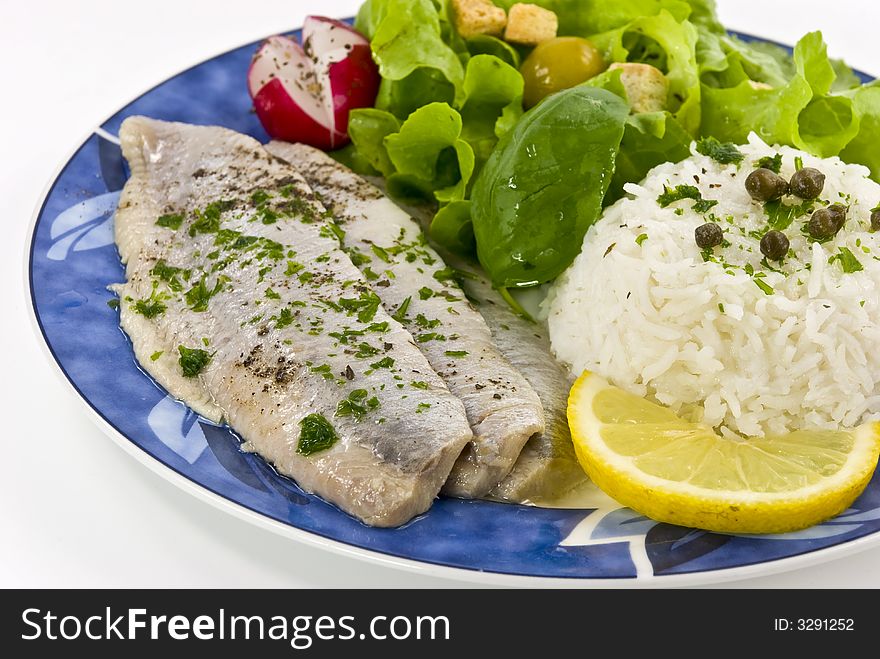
(304, 93)
(285, 120)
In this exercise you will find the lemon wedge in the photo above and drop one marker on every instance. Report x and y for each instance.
(674, 471)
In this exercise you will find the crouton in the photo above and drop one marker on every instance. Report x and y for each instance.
(646, 86)
(473, 17)
(530, 25)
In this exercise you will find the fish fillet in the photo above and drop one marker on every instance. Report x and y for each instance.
(410, 277)
(547, 467)
(229, 257)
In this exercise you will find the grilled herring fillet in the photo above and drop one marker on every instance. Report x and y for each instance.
(547, 467)
(240, 301)
(412, 279)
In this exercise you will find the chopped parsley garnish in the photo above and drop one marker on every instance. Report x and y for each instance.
(268, 216)
(774, 163)
(156, 355)
(366, 305)
(418, 384)
(722, 152)
(271, 295)
(113, 303)
(456, 353)
(169, 274)
(192, 360)
(385, 362)
(679, 192)
(720, 307)
(369, 274)
(705, 205)
(259, 197)
(324, 370)
(315, 434)
(151, 307)
(847, 260)
(400, 314)
(430, 336)
(198, 296)
(171, 221)
(381, 253)
(425, 293)
(447, 274)
(642, 238)
(426, 323)
(208, 220)
(781, 215)
(798, 163)
(365, 350)
(357, 257)
(421, 407)
(284, 319)
(332, 230)
(764, 286)
(357, 404)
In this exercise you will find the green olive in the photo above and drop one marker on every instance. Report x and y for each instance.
(559, 64)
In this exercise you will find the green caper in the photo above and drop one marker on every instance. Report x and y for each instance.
(766, 185)
(774, 245)
(807, 183)
(708, 235)
(875, 220)
(826, 222)
(839, 212)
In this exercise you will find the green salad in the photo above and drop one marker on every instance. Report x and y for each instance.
(518, 188)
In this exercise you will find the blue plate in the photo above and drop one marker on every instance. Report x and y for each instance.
(73, 260)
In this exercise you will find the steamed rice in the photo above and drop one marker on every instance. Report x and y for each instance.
(641, 307)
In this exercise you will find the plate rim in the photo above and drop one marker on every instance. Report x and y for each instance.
(337, 547)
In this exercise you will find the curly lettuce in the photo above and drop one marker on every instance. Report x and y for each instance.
(416, 64)
(804, 112)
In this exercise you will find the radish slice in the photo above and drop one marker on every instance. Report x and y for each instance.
(304, 93)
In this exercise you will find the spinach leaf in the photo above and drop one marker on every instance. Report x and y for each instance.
(544, 184)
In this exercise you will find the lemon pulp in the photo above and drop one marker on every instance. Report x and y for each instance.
(679, 472)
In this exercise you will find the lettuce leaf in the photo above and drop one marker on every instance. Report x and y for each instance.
(452, 227)
(368, 129)
(670, 45)
(863, 148)
(588, 17)
(429, 151)
(483, 44)
(491, 102)
(416, 64)
(803, 112)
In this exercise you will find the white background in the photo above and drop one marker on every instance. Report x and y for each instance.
(76, 510)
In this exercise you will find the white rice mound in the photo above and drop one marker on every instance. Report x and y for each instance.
(702, 337)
